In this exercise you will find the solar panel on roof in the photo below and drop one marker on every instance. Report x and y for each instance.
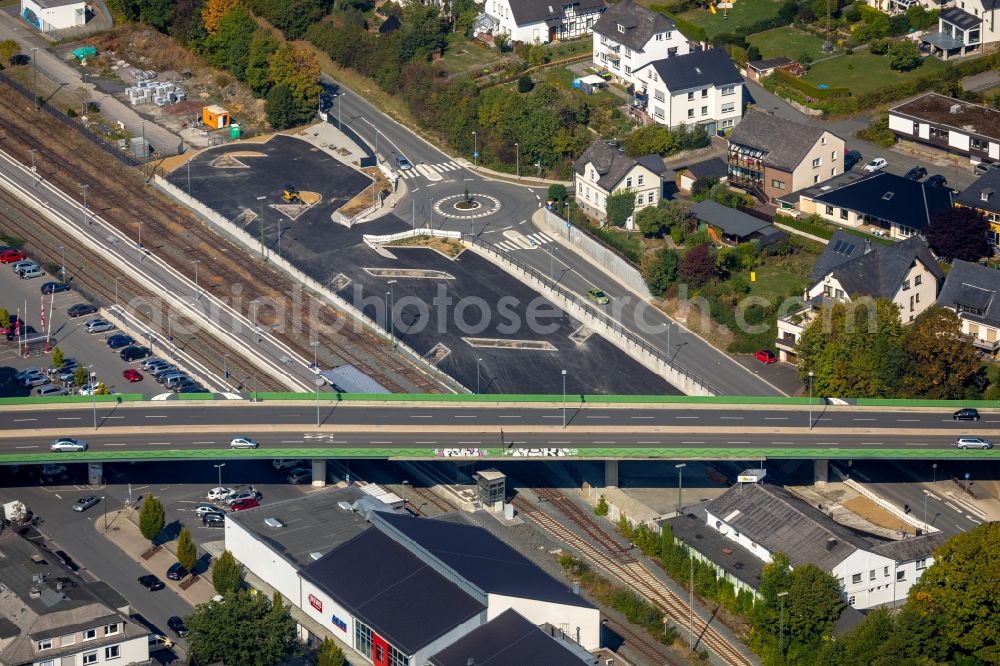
(843, 247)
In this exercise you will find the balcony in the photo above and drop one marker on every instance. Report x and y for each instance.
(791, 327)
(985, 345)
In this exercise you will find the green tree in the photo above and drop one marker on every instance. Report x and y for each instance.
(941, 363)
(525, 84)
(258, 71)
(423, 32)
(58, 357)
(618, 206)
(297, 68)
(157, 13)
(557, 192)
(602, 507)
(242, 628)
(212, 12)
(659, 270)
(959, 233)
(904, 55)
(8, 49)
(652, 221)
(960, 591)
(279, 108)
(81, 376)
(229, 46)
(880, 46)
(649, 140)
(329, 654)
(4, 318)
(753, 53)
(537, 55)
(187, 552)
(151, 518)
(813, 604)
(227, 574)
(502, 42)
(861, 645)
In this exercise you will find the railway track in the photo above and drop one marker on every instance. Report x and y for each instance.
(629, 571)
(426, 496)
(651, 652)
(117, 194)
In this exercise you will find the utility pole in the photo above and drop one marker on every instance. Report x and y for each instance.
(263, 254)
(34, 64)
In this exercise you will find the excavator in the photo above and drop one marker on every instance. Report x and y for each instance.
(291, 195)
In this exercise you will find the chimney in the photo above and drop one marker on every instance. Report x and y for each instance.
(831, 543)
(59, 586)
(986, 194)
(955, 108)
(868, 245)
(35, 593)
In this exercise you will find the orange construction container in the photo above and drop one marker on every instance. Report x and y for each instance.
(215, 116)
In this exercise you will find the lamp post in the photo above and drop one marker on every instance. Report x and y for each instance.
(85, 216)
(196, 262)
(781, 623)
(934, 480)
(564, 398)
(93, 395)
(105, 505)
(340, 124)
(680, 484)
(139, 237)
(517, 147)
(405, 483)
(811, 399)
(390, 323)
(317, 380)
(219, 467)
(225, 368)
(475, 150)
(62, 252)
(263, 256)
(116, 289)
(34, 65)
(478, 361)
(34, 172)
(189, 177)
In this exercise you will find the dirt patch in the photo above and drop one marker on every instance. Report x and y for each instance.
(449, 247)
(151, 552)
(876, 515)
(368, 196)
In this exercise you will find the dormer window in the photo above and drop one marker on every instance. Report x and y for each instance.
(887, 196)
(659, 36)
(621, 28)
(986, 194)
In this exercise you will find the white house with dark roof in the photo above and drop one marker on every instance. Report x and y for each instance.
(628, 36)
(605, 168)
(700, 88)
(763, 520)
(973, 292)
(984, 196)
(953, 125)
(541, 21)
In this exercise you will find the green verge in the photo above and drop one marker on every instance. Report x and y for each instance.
(514, 397)
(37, 400)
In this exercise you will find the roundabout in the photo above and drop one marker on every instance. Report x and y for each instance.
(467, 206)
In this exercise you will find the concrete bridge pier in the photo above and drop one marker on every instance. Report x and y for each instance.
(319, 472)
(821, 472)
(95, 474)
(610, 473)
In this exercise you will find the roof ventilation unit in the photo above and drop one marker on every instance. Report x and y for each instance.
(273, 522)
(955, 108)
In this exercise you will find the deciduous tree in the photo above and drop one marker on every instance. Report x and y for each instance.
(243, 629)
(618, 206)
(58, 357)
(660, 270)
(187, 552)
(229, 46)
(227, 574)
(258, 71)
(959, 233)
(329, 654)
(213, 11)
(941, 362)
(698, 265)
(297, 68)
(8, 49)
(279, 108)
(151, 518)
(904, 55)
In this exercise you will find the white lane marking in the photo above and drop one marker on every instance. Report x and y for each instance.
(559, 442)
(551, 416)
(509, 417)
(784, 443)
(862, 419)
(155, 416)
(687, 417)
(643, 417)
(603, 442)
(973, 519)
(203, 442)
(69, 418)
(952, 507)
(737, 442)
(158, 443)
(26, 447)
(425, 442)
(57, 495)
(647, 442)
(470, 442)
(421, 416)
(114, 417)
(598, 417)
(20, 420)
(379, 442)
(115, 444)
(731, 418)
(907, 420)
(466, 417)
(775, 418)
(692, 442)
(871, 443)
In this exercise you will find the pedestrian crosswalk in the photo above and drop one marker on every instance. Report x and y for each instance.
(524, 242)
(431, 171)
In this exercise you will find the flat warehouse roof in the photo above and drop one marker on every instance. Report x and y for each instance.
(52, 4)
(937, 109)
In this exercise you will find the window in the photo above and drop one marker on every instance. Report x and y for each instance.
(621, 28)
(871, 575)
(68, 639)
(728, 90)
(379, 654)
(843, 213)
(659, 36)
(628, 52)
(691, 96)
(916, 297)
(815, 179)
(659, 96)
(829, 209)
(628, 182)
(822, 140)
(113, 652)
(111, 630)
(650, 197)
(917, 280)
(818, 161)
(885, 571)
(704, 110)
(901, 575)
(778, 184)
(90, 657)
(638, 199)
(47, 662)
(690, 113)
(833, 155)
(906, 285)
(851, 600)
(921, 564)
(729, 107)
(727, 123)
(362, 637)
(658, 111)
(45, 644)
(704, 93)
(667, 34)
(640, 178)
(672, 51)
(833, 172)
(856, 578)
(628, 70)
(89, 634)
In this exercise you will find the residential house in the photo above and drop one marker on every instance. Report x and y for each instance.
(884, 203)
(758, 69)
(701, 88)
(629, 36)
(757, 520)
(963, 128)
(772, 156)
(605, 168)
(973, 292)
(852, 267)
(713, 167)
(984, 196)
(732, 226)
(49, 615)
(539, 22)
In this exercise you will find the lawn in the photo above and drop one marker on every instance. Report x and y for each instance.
(743, 13)
(788, 41)
(864, 72)
(461, 55)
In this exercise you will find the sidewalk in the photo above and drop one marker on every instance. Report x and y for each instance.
(527, 181)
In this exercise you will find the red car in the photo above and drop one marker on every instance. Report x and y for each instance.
(10, 256)
(766, 356)
(248, 503)
(132, 375)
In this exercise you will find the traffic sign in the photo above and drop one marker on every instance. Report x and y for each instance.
(475, 155)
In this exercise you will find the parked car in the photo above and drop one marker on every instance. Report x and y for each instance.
(9, 256)
(877, 164)
(151, 582)
(134, 353)
(974, 443)
(119, 340)
(87, 389)
(300, 475)
(184, 385)
(403, 163)
(980, 169)
(176, 625)
(54, 287)
(132, 375)
(204, 508)
(35, 380)
(219, 493)
(162, 370)
(240, 495)
(851, 157)
(32, 272)
(68, 444)
(598, 296)
(67, 364)
(765, 356)
(193, 388)
(966, 414)
(243, 443)
(81, 309)
(150, 361)
(177, 572)
(68, 375)
(937, 180)
(85, 503)
(172, 376)
(216, 519)
(98, 326)
(281, 465)
(53, 469)
(27, 372)
(49, 391)
(916, 173)
(20, 266)
(242, 505)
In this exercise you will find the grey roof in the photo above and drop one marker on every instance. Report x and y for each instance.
(526, 12)
(401, 598)
(879, 272)
(916, 548)
(785, 142)
(731, 221)
(988, 186)
(507, 639)
(960, 17)
(903, 201)
(736, 560)
(779, 521)
(849, 618)
(843, 246)
(974, 286)
(312, 524)
(479, 558)
(697, 69)
(769, 63)
(612, 164)
(349, 379)
(51, 4)
(714, 167)
(640, 24)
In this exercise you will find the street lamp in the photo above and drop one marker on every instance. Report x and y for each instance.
(478, 361)
(475, 150)
(781, 623)
(339, 121)
(34, 172)
(934, 470)
(93, 395)
(196, 262)
(263, 256)
(116, 289)
(219, 467)
(62, 251)
(405, 483)
(564, 398)
(34, 64)
(317, 380)
(390, 323)
(85, 216)
(680, 484)
(517, 147)
(811, 375)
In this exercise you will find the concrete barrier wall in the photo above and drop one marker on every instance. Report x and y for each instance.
(592, 248)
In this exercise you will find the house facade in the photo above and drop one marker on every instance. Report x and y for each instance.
(984, 196)
(700, 88)
(604, 168)
(772, 156)
(962, 128)
(628, 36)
(972, 291)
(53, 15)
(534, 22)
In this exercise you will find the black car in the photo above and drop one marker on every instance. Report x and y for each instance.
(151, 582)
(983, 168)
(177, 572)
(119, 340)
(937, 180)
(966, 414)
(176, 625)
(81, 309)
(66, 560)
(916, 173)
(214, 519)
(54, 287)
(25, 330)
(851, 158)
(134, 353)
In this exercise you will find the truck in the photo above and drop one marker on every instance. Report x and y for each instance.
(16, 513)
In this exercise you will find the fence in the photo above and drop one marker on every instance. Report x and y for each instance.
(372, 241)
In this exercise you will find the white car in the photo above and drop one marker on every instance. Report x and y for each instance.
(239, 496)
(68, 444)
(98, 326)
(88, 389)
(243, 443)
(202, 509)
(219, 493)
(282, 464)
(877, 164)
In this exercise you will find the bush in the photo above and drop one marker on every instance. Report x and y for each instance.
(880, 46)
(904, 55)
(602, 507)
(525, 84)
(691, 31)
(753, 53)
(780, 77)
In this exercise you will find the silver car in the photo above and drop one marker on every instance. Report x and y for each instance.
(974, 443)
(36, 380)
(85, 503)
(98, 326)
(243, 443)
(68, 444)
(299, 475)
(45, 391)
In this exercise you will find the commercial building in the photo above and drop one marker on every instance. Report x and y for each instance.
(49, 616)
(534, 22)
(628, 36)
(963, 128)
(973, 292)
(52, 15)
(604, 168)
